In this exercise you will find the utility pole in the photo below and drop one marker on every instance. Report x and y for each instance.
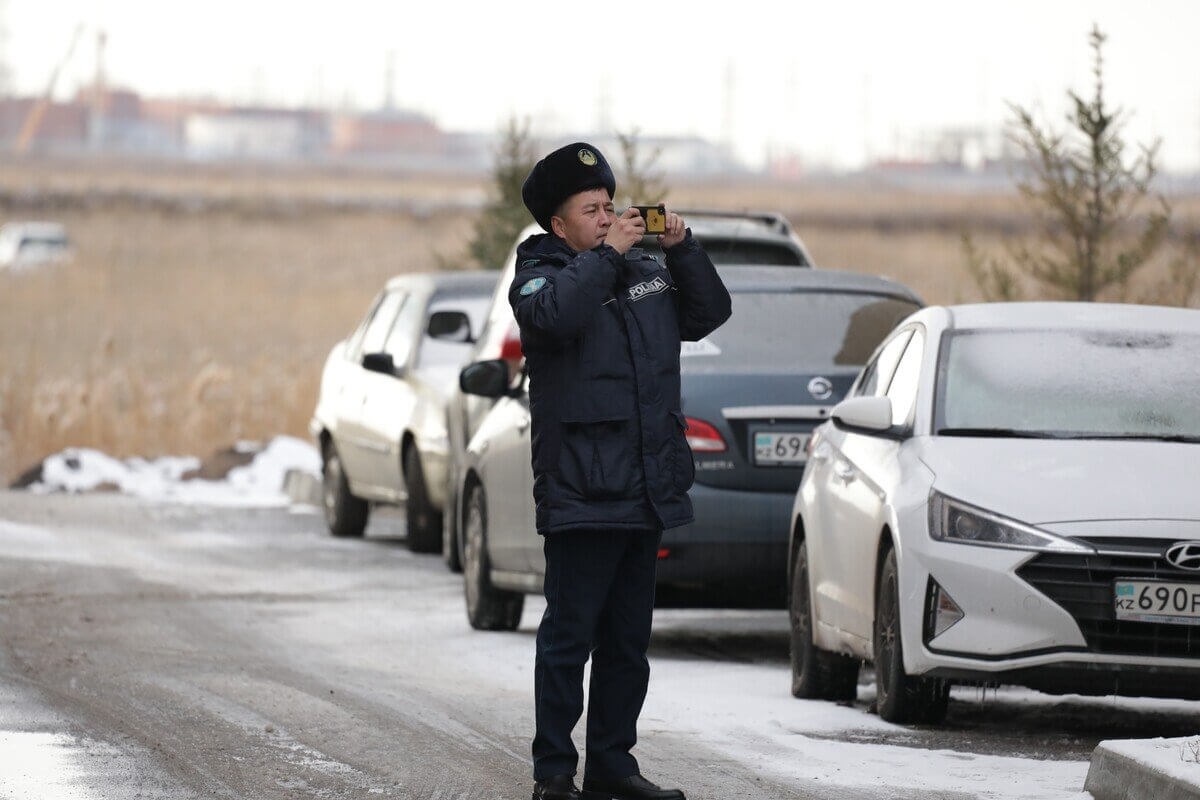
(99, 98)
(727, 108)
(5, 70)
(389, 82)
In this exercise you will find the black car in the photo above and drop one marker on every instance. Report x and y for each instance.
(752, 392)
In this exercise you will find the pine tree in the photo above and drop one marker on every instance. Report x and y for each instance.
(505, 215)
(1096, 220)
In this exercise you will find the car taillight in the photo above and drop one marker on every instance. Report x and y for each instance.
(703, 438)
(511, 352)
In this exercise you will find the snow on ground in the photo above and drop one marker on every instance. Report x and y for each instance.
(805, 741)
(746, 712)
(259, 483)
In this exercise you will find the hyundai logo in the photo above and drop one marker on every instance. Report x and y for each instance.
(820, 388)
(1185, 555)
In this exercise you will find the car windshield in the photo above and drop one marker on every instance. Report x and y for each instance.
(1072, 384)
(797, 330)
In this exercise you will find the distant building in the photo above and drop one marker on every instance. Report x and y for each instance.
(256, 134)
(385, 132)
(63, 126)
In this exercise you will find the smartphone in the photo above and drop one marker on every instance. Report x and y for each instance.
(655, 217)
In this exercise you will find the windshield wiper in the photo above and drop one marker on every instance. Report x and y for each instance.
(1148, 437)
(999, 433)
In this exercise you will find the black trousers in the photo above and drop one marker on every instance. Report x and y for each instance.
(599, 601)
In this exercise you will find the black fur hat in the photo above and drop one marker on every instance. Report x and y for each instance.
(561, 174)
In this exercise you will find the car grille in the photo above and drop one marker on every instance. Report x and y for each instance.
(1083, 585)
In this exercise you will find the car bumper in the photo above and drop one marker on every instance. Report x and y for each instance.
(733, 555)
(1014, 632)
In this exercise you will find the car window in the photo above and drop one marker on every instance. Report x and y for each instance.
(878, 373)
(405, 329)
(381, 322)
(798, 330)
(440, 352)
(902, 390)
(354, 343)
(731, 250)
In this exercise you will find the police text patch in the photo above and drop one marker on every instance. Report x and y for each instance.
(532, 285)
(646, 289)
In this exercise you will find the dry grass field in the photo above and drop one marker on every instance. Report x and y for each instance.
(200, 302)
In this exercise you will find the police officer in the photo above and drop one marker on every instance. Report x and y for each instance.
(601, 321)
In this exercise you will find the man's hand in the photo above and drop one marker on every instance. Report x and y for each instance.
(676, 231)
(626, 231)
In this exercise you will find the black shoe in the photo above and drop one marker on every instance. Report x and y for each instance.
(635, 787)
(556, 787)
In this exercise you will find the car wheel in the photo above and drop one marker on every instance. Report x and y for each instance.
(816, 674)
(424, 522)
(901, 698)
(450, 551)
(345, 514)
(488, 608)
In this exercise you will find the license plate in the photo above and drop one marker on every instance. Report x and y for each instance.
(1157, 601)
(780, 448)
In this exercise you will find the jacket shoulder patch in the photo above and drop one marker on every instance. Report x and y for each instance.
(532, 285)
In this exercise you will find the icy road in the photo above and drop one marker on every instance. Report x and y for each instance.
(167, 651)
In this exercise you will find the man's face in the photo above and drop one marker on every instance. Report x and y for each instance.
(584, 219)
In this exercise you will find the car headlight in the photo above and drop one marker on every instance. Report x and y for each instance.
(954, 521)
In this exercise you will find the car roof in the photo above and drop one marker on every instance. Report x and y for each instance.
(1071, 316)
(480, 282)
(743, 278)
(764, 225)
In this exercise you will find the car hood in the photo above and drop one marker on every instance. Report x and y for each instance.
(1045, 481)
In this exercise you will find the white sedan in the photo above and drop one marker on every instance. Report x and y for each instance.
(1008, 494)
(380, 419)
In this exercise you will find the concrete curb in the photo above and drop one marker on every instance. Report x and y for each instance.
(1142, 769)
(302, 487)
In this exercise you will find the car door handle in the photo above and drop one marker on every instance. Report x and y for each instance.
(522, 424)
(844, 471)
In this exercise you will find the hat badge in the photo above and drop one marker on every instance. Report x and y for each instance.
(587, 157)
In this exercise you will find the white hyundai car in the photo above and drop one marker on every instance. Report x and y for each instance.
(1008, 494)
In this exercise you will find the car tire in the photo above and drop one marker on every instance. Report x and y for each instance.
(424, 523)
(488, 608)
(345, 514)
(901, 698)
(816, 674)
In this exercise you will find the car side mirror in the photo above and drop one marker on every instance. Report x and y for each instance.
(863, 414)
(379, 362)
(485, 378)
(450, 326)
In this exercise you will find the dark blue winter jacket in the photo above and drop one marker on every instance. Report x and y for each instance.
(601, 335)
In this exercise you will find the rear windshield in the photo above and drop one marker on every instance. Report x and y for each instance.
(725, 251)
(797, 330)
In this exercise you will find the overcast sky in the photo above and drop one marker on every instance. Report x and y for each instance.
(836, 82)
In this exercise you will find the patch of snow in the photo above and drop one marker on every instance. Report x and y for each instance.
(259, 483)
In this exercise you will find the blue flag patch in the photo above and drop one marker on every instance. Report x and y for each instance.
(532, 285)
